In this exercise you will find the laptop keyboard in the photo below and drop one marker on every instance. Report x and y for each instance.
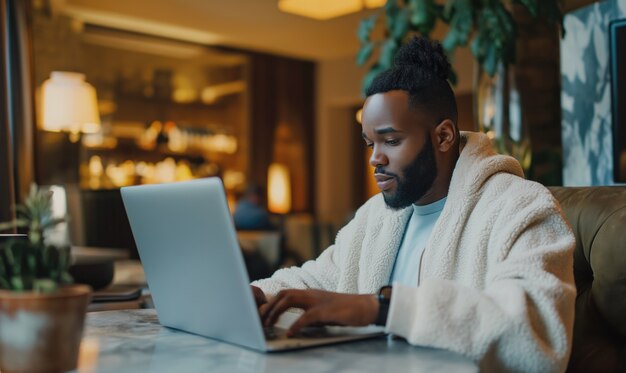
(272, 333)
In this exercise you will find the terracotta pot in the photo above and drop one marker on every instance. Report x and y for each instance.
(42, 332)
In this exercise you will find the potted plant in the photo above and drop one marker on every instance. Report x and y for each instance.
(490, 29)
(488, 25)
(41, 312)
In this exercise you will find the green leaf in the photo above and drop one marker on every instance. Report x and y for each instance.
(31, 266)
(365, 28)
(491, 60)
(419, 13)
(451, 40)
(66, 278)
(477, 48)
(10, 256)
(364, 53)
(52, 222)
(25, 265)
(369, 77)
(390, 4)
(462, 21)
(50, 258)
(31, 207)
(44, 285)
(448, 9)
(34, 235)
(400, 25)
(391, 13)
(505, 20)
(387, 52)
(65, 258)
(17, 283)
(508, 47)
(424, 15)
(23, 211)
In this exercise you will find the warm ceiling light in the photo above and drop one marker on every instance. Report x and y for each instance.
(326, 9)
(375, 3)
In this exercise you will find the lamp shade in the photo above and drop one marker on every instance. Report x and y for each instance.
(68, 103)
(278, 189)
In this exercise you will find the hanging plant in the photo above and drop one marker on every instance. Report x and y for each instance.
(487, 25)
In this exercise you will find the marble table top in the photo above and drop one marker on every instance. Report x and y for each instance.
(133, 341)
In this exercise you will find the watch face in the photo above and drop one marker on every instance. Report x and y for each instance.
(385, 292)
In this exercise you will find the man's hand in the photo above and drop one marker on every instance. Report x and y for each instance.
(259, 296)
(321, 308)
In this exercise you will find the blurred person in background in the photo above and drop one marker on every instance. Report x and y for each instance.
(250, 213)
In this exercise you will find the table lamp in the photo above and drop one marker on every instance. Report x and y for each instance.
(69, 104)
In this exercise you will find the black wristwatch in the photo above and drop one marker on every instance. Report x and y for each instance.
(384, 300)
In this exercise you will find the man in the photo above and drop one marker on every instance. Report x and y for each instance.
(480, 259)
(249, 213)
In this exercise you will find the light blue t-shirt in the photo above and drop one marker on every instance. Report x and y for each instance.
(420, 226)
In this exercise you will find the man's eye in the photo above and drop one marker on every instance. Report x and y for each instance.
(369, 145)
(392, 142)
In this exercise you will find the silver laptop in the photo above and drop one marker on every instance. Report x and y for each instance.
(196, 273)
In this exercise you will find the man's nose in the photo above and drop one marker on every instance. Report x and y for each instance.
(378, 158)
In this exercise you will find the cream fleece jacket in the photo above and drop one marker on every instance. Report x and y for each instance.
(496, 281)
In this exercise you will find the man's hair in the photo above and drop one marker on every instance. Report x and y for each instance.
(421, 69)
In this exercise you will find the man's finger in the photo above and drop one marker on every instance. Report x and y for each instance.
(262, 310)
(271, 303)
(281, 305)
(310, 317)
(259, 296)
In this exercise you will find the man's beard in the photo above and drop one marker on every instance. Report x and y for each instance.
(417, 178)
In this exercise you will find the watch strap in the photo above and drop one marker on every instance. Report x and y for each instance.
(383, 313)
(384, 300)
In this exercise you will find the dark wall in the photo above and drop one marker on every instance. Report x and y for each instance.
(7, 193)
(16, 106)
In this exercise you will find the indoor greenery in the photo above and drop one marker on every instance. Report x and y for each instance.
(487, 25)
(31, 264)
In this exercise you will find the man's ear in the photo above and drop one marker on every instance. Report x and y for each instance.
(445, 135)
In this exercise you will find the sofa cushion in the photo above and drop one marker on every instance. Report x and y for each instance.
(598, 218)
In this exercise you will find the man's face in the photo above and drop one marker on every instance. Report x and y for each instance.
(402, 150)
